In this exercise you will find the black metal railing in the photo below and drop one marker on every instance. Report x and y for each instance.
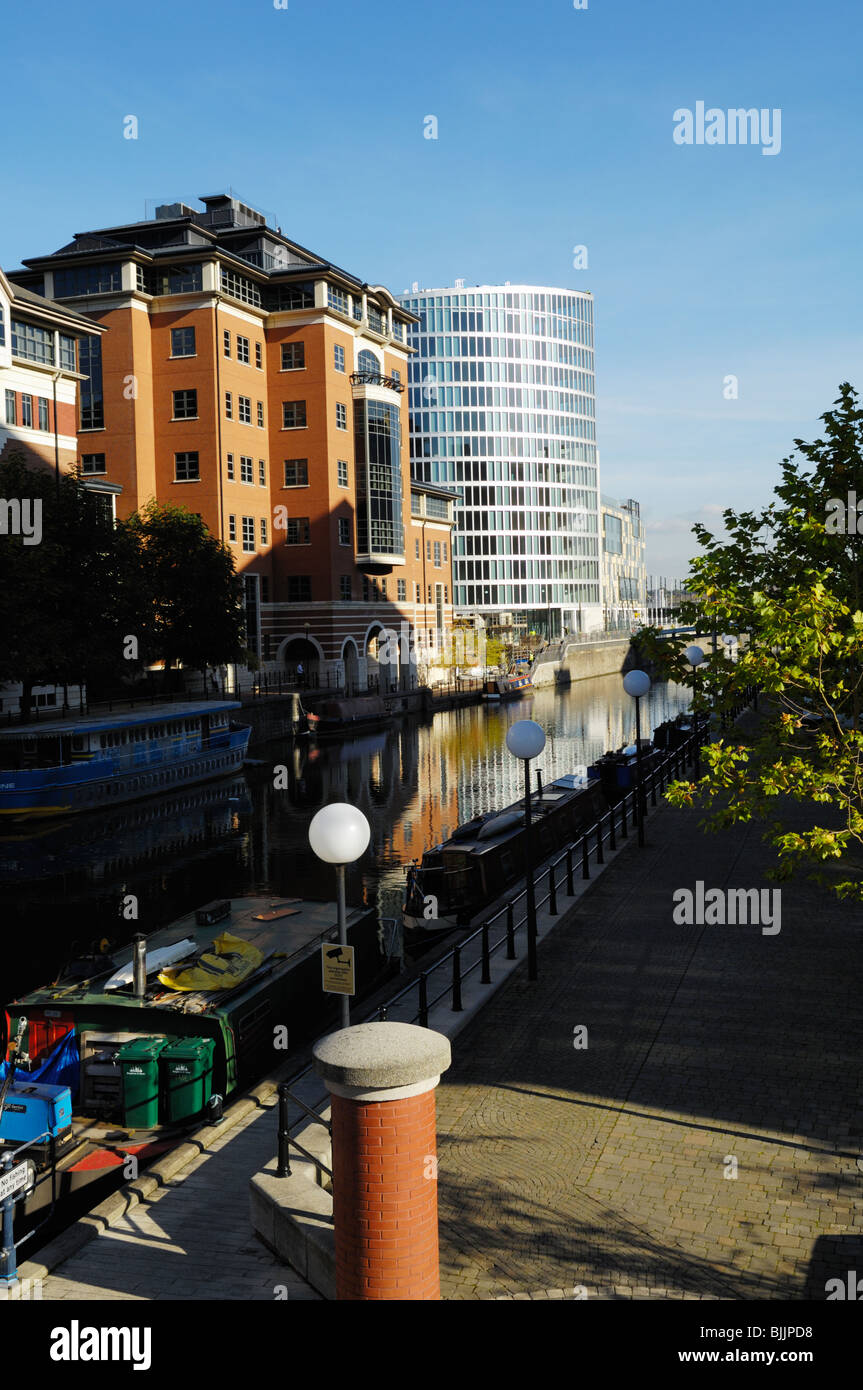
(560, 877)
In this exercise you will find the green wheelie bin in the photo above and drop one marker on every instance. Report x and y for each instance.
(187, 1078)
(139, 1062)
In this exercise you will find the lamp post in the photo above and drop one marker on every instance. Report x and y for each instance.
(339, 834)
(637, 684)
(695, 656)
(525, 739)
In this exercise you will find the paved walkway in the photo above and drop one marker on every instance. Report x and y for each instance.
(608, 1172)
(190, 1239)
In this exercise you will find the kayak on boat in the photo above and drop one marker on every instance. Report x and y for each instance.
(156, 960)
(228, 963)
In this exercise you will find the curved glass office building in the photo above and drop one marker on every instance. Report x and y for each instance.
(502, 410)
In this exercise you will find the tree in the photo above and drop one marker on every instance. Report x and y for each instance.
(790, 580)
(63, 599)
(191, 597)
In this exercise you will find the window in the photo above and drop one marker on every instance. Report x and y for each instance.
(383, 588)
(229, 406)
(186, 467)
(259, 356)
(67, 352)
(27, 411)
(230, 465)
(242, 349)
(337, 299)
(344, 531)
(293, 415)
(239, 287)
(265, 589)
(232, 528)
(2, 327)
(260, 415)
(345, 587)
(248, 533)
(428, 550)
(418, 549)
(244, 409)
(11, 412)
(262, 472)
(246, 470)
(36, 344)
(418, 594)
(444, 552)
(437, 555)
(90, 279)
(396, 376)
(296, 472)
(341, 417)
(299, 588)
(368, 364)
(226, 338)
(183, 342)
(185, 405)
(43, 413)
(263, 531)
(365, 589)
(174, 279)
(401, 589)
(297, 531)
(343, 472)
(293, 357)
(93, 463)
(339, 355)
(90, 391)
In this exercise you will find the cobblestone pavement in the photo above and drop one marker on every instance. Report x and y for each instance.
(608, 1172)
(189, 1240)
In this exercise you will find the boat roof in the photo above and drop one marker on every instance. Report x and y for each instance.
(297, 935)
(551, 796)
(142, 714)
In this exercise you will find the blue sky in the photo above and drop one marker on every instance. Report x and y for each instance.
(554, 130)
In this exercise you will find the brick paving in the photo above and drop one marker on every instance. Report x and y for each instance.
(192, 1239)
(570, 1173)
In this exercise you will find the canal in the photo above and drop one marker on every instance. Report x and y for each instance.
(108, 875)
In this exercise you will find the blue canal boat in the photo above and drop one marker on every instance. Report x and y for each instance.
(58, 766)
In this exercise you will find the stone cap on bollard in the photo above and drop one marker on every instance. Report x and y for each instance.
(382, 1061)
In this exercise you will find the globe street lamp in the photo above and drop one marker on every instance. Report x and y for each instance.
(637, 684)
(525, 739)
(695, 656)
(339, 834)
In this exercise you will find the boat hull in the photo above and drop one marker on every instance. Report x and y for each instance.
(93, 786)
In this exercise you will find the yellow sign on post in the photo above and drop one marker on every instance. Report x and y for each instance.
(337, 968)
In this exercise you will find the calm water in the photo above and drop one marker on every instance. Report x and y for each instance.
(414, 781)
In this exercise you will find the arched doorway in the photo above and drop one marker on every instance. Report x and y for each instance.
(301, 659)
(381, 659)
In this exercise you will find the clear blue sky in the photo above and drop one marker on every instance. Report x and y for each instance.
(555, 130)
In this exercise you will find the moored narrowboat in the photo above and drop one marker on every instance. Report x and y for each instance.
(158, 1035)
(59, 766)
(459, 878)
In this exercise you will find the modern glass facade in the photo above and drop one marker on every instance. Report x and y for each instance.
(377, 439)
(502, 410)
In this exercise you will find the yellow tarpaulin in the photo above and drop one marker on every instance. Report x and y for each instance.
(228, 963)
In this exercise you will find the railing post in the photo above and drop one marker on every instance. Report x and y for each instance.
(485, 977)
(456, 980)
(623, 830)
(653, 787)
(612, 839)
(552, 892)
(424, 1000)
(600, 852)
(510, 931)
(570, 886)
(585, 864)
(283, 1168)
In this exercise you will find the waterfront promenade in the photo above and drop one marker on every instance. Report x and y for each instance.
(712, 1050)
(599, 1172)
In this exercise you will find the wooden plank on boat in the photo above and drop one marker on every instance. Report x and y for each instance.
(278, 910)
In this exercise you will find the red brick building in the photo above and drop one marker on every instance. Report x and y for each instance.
(262, 387)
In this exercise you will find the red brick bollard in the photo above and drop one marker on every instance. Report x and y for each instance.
(382, 1079)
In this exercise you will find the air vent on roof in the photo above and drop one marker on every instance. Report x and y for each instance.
(170, 210)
